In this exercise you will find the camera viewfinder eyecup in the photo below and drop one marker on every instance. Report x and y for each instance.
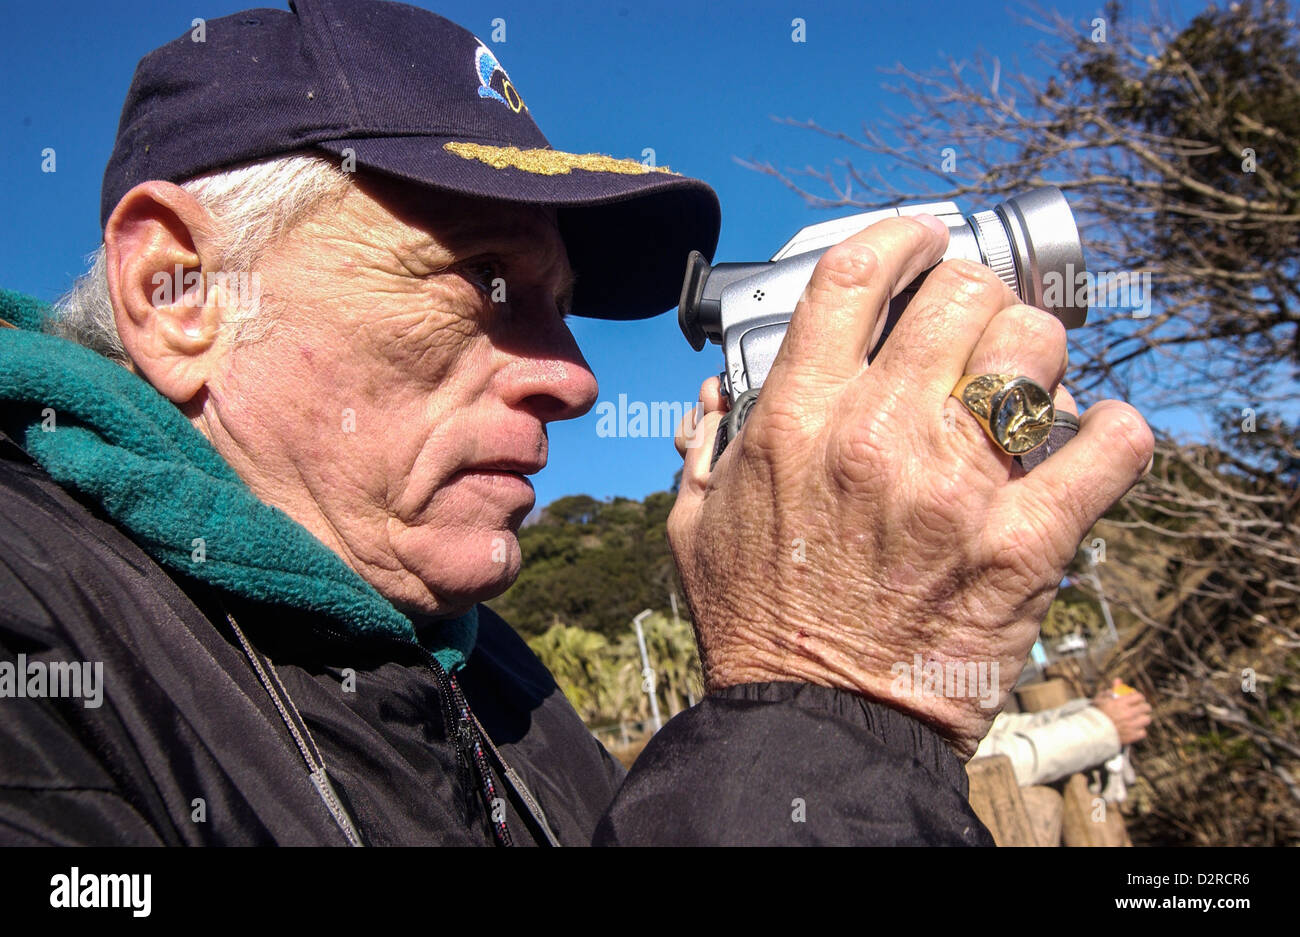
(688, 307)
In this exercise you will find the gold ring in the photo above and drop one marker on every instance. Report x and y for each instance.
(1016, 412)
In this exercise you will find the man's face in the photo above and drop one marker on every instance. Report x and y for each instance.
(396, 404)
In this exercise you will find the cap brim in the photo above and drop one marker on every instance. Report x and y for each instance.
(628, 230)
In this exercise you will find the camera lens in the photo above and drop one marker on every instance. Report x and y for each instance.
(1044, 243)
(1032, 243)
(996, 252)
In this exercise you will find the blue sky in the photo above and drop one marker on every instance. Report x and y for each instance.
(697, 82)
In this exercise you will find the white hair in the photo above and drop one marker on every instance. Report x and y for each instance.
(253, 206)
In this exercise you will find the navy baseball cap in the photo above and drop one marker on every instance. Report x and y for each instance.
(411, 95)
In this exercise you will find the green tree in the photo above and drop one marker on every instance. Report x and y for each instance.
(593, 564)
(576, 659)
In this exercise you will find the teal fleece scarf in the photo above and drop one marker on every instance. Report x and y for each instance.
(101, 431)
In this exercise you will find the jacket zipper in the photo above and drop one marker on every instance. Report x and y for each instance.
(471, 742)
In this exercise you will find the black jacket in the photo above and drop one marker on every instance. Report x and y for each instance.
(202, 740)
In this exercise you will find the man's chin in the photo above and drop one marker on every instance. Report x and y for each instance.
(456, 580)
(463, 598)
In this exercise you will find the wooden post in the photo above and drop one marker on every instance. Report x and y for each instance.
(1088, 820)
(995, 798)
(1035, 697)
(1045, 807)
(1118, 831)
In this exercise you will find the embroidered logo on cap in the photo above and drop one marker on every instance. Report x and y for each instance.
(487, 67)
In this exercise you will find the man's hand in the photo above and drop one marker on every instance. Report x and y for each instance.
(1131, 713)
(863, 517)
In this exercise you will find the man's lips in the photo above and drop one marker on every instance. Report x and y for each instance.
(508, 466)
(510, 473)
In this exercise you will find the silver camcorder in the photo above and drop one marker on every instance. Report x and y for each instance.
(1030, 241)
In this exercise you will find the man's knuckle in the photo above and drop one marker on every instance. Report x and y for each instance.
(848, 265)
(1036, 328)
(861, 458)
(967, 277)
(1126, 428)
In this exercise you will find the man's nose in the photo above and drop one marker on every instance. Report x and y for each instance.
(548, 375)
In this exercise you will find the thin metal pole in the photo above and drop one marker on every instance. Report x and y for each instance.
(1101, 596)
(647, 673)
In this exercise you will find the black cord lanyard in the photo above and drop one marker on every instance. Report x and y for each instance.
(473, 746)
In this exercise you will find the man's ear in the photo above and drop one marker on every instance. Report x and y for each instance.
(160, 263)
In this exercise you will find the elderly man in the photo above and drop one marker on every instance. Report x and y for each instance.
(265, 460)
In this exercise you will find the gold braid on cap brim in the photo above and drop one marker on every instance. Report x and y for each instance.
(543, 162)
(1016, 412)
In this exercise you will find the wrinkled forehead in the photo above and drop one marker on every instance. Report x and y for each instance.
(460, 222)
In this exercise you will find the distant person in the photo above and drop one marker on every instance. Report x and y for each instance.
(1056, 743)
